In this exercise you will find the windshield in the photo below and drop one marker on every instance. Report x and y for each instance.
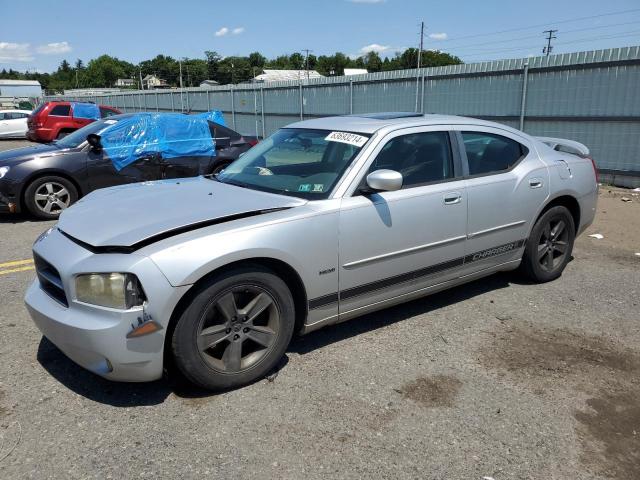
(297, 162)
(76, 138)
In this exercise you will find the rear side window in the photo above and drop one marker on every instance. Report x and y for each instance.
(15, 115)
(420, 157)
(61, 110)
(106, 112)
(490, 153)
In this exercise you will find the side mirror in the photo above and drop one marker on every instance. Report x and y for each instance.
(384, 181)
(94, 141)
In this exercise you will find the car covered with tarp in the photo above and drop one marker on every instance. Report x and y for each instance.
(56, 119)
(127, 148)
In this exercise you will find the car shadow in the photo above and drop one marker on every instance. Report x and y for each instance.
(16, 218)
(122, 394)
(93, 387)
(374, 321)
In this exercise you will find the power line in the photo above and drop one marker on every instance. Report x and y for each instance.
(579, 40)
(550, 37)
(529, 47)
(546, 24)
(526, 37)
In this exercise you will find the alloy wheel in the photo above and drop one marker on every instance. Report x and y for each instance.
(52, 197)
(238, 329)
(553, 244)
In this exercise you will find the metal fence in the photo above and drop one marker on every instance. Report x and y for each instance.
(592, 97)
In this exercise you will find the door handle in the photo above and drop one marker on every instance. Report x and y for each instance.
(535, 183)
(452, 198)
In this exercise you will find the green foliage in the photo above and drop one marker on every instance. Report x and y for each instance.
(105, 70)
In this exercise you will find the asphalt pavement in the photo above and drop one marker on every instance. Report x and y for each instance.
(498, 378)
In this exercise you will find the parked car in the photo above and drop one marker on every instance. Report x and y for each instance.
(324, 221)
(13, 123)
(55, 120)
(46, 179)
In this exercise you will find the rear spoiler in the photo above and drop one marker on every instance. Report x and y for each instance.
(567, 146)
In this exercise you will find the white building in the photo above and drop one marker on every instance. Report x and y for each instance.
(208, 84)
(126, 82)
(283, 75)
(151, 81)
(20, 89)
(355, 71)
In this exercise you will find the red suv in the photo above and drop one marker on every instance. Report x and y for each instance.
(54, 120)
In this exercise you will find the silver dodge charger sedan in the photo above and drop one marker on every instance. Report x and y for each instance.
(324, 221)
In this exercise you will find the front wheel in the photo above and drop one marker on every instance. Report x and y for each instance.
(235, 329)
(47, 197)
(550, 244)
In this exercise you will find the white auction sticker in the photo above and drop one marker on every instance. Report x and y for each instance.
(345, 137)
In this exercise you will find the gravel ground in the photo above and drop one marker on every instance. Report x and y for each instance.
(498, 378)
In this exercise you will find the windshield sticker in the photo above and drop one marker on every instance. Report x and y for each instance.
(344, 137)
(318, 187)
(304, 187)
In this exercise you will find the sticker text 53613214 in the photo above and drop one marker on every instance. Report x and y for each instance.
(346, 137)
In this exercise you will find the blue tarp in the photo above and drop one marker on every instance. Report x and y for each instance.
(86, 110)
(168, 134)
(213, 116)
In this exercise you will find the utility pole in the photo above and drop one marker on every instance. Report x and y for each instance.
(141, 84)
(419, 61)
(306, 61)
(548, 49)
(180, 64)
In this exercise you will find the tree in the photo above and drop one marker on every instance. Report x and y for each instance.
(296, 61)
(162, 66)
(213, 64)
(105, 70)
(257, 60)
(372, 62)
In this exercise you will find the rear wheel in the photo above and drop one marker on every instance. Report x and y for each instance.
(235, 330)
(550, 245)
(47, 197)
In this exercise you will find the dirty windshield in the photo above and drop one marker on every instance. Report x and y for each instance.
(298, 162)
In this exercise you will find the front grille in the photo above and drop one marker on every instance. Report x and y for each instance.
(50, 280)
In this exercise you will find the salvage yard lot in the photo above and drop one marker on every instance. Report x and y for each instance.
(497, 378)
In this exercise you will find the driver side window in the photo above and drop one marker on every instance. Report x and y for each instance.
(421, 158)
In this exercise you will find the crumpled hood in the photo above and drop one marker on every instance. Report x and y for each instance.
(127, 215)
(18, 155)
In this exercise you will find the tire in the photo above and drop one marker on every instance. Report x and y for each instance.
(62, 134)
(549, 247)
(47, 197)
(218, 343)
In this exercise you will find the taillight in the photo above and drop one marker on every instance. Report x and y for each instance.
(595, 169)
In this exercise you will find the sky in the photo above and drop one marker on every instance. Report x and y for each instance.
(36, 35)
